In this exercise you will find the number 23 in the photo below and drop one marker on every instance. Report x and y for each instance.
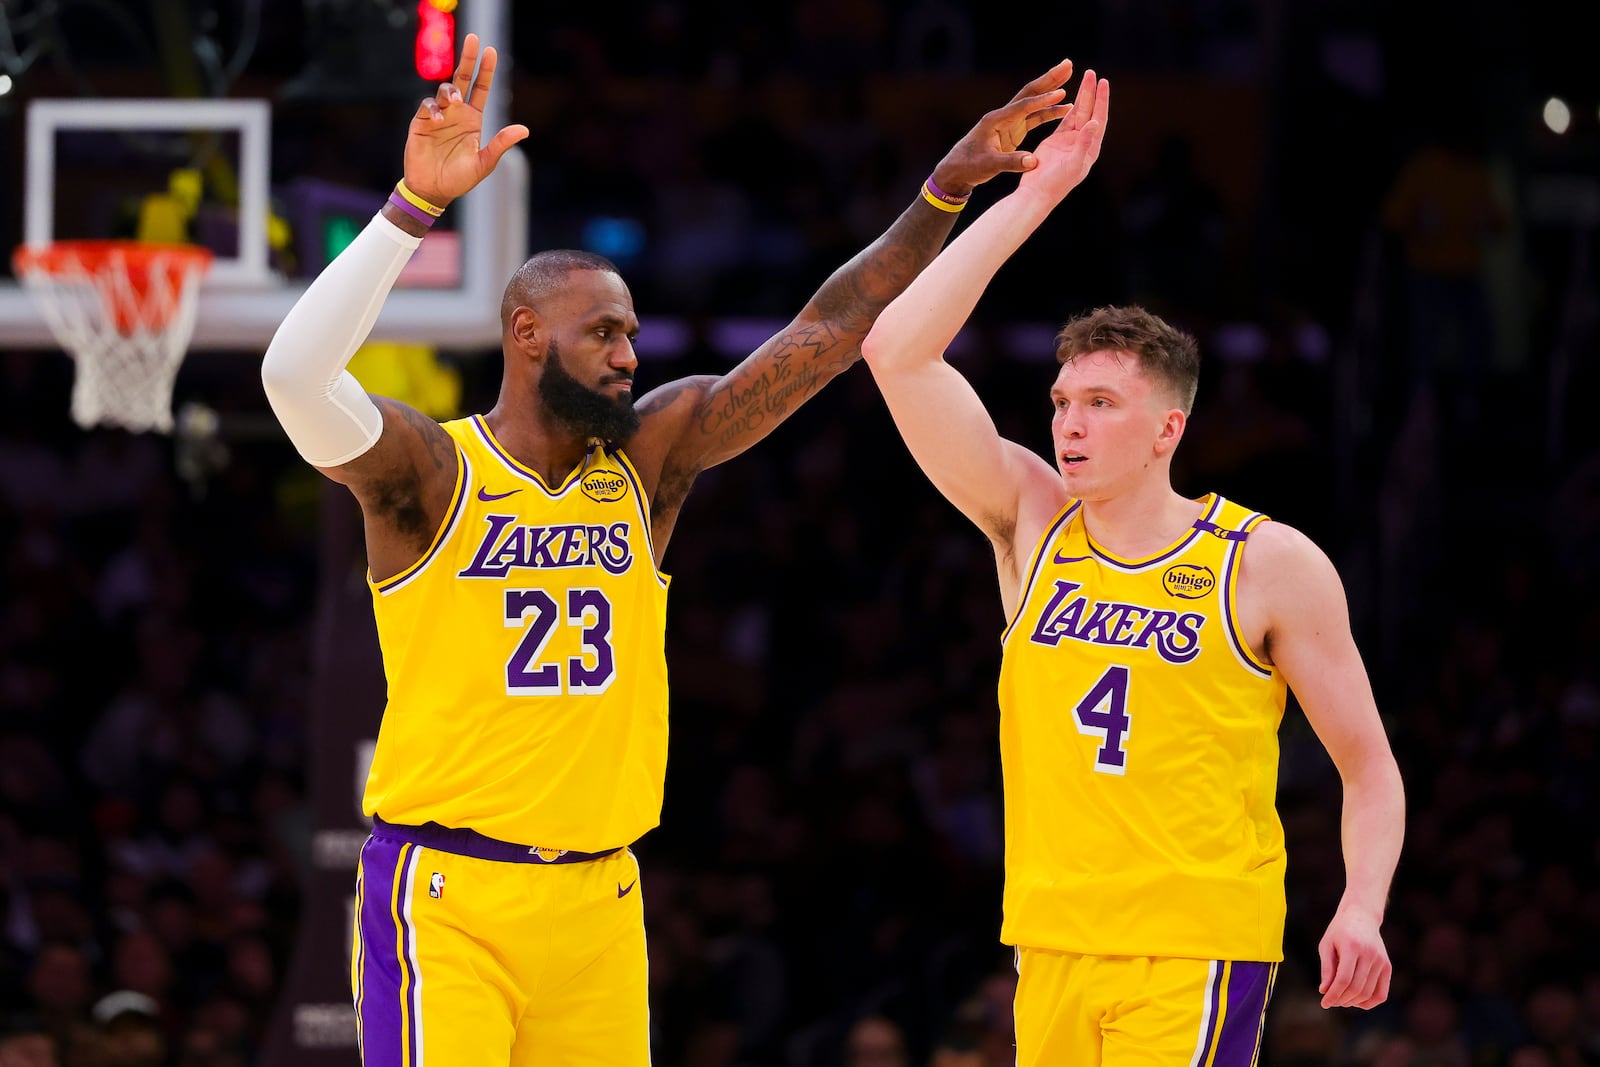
(538, 611)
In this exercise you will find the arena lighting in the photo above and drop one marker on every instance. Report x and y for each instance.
(436, 40)
(5, 84)
(1557, 116)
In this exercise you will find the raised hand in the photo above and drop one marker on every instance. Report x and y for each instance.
(990, 147)
(444, 157)
(1063, 159)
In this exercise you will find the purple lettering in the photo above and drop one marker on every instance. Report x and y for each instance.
(548, 547)
(595, 544)
(572, 541)
(1160, 621)
(1097, 628)
(1131, 615)
(541, 540)
(1185, 646)
(479, 567)
(619, 556)
(1049, 631)
(1071, 615)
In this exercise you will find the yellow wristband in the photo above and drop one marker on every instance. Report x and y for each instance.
(416, 201)
(940, 204)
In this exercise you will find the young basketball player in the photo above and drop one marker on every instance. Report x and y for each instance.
(1150, 642)
(515, 566)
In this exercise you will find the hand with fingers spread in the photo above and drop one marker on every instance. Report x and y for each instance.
(444, 155)
(992, 146)
(1355, 963)
(1063, 159)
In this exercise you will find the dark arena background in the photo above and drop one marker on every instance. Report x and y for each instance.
(1378, 218)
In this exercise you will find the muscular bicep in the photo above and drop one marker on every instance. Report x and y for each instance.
(1309, 640)
(955, 442)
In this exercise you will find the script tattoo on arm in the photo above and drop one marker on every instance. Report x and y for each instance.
(743, 406)
(700, 421)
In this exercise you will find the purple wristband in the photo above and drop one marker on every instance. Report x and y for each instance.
(410, 209)
(949, 198)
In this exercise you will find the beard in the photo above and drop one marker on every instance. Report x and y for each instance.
(584, 410)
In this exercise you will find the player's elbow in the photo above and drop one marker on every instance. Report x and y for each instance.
(880, 352)
(871, 347)
(1371, 769)
(279, 379)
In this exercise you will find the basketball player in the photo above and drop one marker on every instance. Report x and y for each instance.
(515, 563)
(1150, 642)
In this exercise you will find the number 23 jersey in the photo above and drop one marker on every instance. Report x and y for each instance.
(525, 656)
(1138, 738)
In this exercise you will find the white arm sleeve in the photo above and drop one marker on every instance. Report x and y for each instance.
(324, 410)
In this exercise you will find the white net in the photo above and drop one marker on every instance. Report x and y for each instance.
(125, 313)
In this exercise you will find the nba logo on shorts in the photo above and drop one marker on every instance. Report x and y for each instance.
(436, 885)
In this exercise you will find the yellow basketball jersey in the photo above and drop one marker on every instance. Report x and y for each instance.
(525, 656)
(1138, 737)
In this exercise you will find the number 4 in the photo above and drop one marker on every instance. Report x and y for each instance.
(1103, 713)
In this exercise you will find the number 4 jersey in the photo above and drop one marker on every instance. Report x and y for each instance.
(1138, 735)
(525, 659)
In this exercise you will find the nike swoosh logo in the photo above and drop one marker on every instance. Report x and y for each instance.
(486, 496)
(1059, 558)
(621, 892)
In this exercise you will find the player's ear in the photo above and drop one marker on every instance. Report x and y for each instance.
(527, 332)
(1172, 425)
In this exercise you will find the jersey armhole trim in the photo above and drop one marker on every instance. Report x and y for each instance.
(644, 513)
(1230, 586)
(1034, 562)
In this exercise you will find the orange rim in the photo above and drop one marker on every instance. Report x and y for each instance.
(64, 255)
(140, 262)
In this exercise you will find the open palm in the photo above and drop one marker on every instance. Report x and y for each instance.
(1064, 158)
(993, 146)
(445, 155)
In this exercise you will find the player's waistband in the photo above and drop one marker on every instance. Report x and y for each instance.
(471, 843)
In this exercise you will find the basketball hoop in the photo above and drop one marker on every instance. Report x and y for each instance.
(124, 311)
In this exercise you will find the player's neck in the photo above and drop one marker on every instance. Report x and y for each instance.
(538, 442)
(1142, 521)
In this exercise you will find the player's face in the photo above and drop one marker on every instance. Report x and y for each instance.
(587, 381)
(1108, 424)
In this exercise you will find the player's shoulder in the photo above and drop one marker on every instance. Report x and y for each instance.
(1273, 535)
(1277, 549)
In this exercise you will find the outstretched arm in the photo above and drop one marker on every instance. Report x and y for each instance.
(1308, 639)
(400, 464)
(940, 416)
(695, 423)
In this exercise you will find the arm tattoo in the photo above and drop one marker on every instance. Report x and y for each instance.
(863, 287)
(756, 398)
(766, 388)
(441, 449)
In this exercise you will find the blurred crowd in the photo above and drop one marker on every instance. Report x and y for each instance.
(825, 887)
